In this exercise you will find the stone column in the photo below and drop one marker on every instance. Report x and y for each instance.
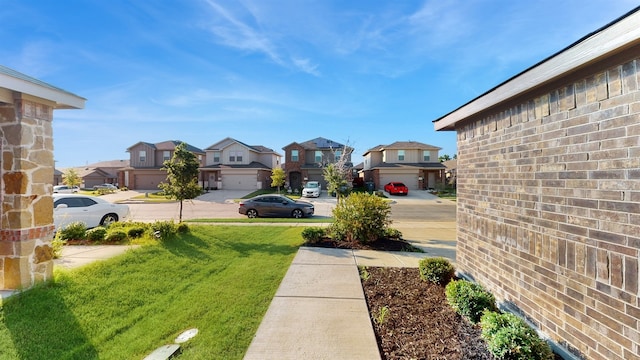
(26, 170)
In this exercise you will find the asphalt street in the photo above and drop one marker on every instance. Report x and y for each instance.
(418, 206)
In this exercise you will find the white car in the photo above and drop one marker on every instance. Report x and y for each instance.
(91, 210)
(312, 189)
(105, 186)
(65, 189)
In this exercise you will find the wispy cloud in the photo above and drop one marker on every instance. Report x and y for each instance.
(229, 29)
(306, 66)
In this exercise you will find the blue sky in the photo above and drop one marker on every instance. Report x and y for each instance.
(270, 73)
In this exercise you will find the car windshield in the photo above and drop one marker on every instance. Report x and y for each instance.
(399, 184)
(312, 185)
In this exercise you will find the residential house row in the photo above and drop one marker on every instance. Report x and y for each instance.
(233, 165)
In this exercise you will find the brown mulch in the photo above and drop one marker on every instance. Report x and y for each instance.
(380, 244)
(418, 324)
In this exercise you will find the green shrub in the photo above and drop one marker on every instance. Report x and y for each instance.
(437, 270)
(182, 228)
(73, 231)
(360, 217)
(163, 229)
(314, 234)
(509, 337)
(56, 245)
(96, 234)
(391, 233)
(469, 299)
(116, 236)
(135, 232)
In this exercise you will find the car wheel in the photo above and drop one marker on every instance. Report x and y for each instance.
(252, 213)
(108, 219)
(297, 213)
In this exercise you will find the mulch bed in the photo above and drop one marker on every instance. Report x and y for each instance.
(418, 324)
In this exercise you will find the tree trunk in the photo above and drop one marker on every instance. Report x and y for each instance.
(180, 216)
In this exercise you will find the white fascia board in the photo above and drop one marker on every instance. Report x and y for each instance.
(614, 37)
(62, 99)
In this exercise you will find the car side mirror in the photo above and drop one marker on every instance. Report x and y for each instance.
(62, 206)
(284, 202)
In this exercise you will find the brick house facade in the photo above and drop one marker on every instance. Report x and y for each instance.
(305, 161)
(548, 180)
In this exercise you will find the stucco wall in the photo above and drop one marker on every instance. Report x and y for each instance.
(549, 208)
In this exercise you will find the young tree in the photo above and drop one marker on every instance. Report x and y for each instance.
(182, 176)
(337, 174)
(277, 178)
(71, 178)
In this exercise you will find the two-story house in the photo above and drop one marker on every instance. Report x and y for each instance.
(145, 164)
(411, 162)
(234, 165)
(305, 161)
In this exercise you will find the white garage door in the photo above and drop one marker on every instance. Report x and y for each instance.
(239, 181)
(411, 180)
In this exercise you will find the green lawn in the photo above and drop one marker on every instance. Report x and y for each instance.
(219, 279)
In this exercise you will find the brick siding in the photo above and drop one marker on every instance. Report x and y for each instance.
(549, 209)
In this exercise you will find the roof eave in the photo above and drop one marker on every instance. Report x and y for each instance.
(612, 38)
(61, 98)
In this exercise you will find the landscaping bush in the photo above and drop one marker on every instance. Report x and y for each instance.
(56, 245)
(96, 234)
(135, 232)
(509, 337)
(73, 231)
(360, 217)
(391, 233)
(437, 270)
(116, 236)
(182, 228)
(313, 235)
(164, 229)
(469, 299)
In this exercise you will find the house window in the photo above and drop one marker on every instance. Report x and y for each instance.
(294, 155)
(232, 156)
(216, 157)
(239, 156)
(318, 156)
(166, 155)
(426, 155)
(142, 155)
(400, 155)
(338, 154)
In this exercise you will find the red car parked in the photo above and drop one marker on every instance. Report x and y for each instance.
(396, 188)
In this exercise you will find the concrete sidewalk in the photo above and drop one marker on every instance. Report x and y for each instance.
(319, 310)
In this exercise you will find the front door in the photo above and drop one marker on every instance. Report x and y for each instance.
(295, 180)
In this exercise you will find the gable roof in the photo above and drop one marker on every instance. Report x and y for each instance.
(321, 143)
(172, 144)
(220, 145)
(110, 164)
(167, 145)
(16, 81)
(610, 40)
(403, 145)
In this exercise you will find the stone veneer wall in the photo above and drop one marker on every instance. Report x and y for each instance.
(549, 208)
(26, 218)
